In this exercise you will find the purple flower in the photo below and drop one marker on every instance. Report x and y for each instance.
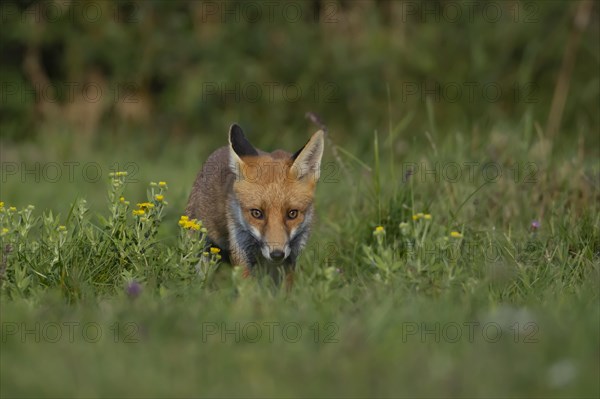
(133, 289)
(535, 225)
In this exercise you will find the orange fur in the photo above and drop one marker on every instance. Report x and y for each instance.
(256, 204)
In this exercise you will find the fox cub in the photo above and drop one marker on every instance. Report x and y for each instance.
(257, 206)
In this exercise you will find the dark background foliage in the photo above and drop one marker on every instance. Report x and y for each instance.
(176, 69)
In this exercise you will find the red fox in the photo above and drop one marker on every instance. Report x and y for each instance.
(257, 207)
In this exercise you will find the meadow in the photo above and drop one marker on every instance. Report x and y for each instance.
(414, 283)
(455, 252)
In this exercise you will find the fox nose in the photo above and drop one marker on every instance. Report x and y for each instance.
(277, 254)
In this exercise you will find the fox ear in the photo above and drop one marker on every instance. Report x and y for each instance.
(239, 147)
(307, 160)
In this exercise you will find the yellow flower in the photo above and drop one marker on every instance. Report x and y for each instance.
(122, 199)
(145, 205)
(162, 184)
(159, 197)
(120, 174)
(455, 234)
(204, 253)
(379, 230)
(4, 231)
(62, 228)
(139, 212)
(182, 220)
(12, 209)
(214, 250)
(418, 216)
(189, 224)
(1, 204)
(427, 216)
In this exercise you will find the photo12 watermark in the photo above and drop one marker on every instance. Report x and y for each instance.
(65, 171)
(472, 11)
(470, 92)
(69, 92)
(470, 331)
(269, 332)
(70, 332)
(71, 11)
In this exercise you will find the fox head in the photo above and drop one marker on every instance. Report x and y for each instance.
(274, 193)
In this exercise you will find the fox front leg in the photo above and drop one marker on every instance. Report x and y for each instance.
(289, 279)
(238, 258)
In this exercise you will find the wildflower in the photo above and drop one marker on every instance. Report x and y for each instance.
(1, 204)
(455, 234)
(133, 289)
(138, 212)
(192, 225)
(204, 253)
(189, 224)
(120, 174)
(214, 250)
(62, 228)
(4, 231)
(417, 216)
(379, 230)
(535, 225)
(12, 209)
(122, 199)
(162, 184)
(182, 220)
(159, 197)
(427, 216)
(404, 228)
(145, 205)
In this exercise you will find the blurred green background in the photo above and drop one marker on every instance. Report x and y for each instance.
(174, 69)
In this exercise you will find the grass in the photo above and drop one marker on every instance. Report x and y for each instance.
(424, 276)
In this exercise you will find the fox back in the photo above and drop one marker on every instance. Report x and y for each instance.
(257, 206)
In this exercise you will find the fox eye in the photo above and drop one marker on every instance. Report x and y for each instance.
(293, 214)
(256, 213)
